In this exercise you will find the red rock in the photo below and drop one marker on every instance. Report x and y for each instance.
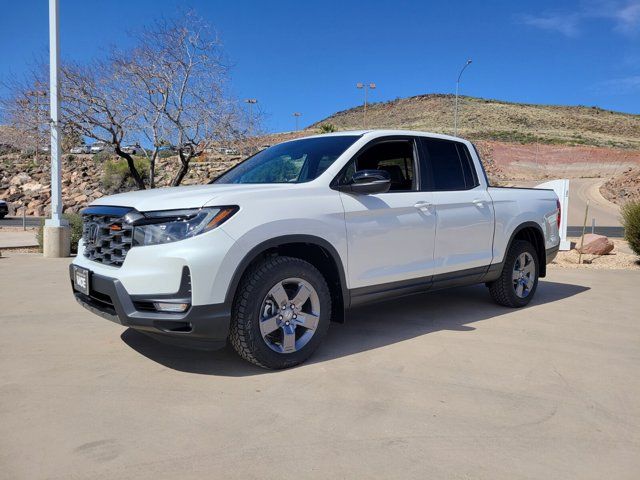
(595, 245)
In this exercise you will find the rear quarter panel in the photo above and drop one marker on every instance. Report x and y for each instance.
(515, 206)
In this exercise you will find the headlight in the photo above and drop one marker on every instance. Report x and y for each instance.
(153, 228)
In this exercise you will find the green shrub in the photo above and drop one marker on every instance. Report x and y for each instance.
(327, 128)
(166, 153)
(116, 175)
(75, 223)
(103, 156)
(631, 222)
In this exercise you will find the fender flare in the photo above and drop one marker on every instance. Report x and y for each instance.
(262, 247)
(540, 251)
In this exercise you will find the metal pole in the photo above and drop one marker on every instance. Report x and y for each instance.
(584, 227)
(56, 219)
(364, 121)
(251, 101)
(593, 225)
(455, 115)
(56, 229)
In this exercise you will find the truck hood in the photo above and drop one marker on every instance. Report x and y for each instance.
(194, 196)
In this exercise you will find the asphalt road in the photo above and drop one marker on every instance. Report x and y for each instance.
(443, 385)
(583, 189)
(605, 213)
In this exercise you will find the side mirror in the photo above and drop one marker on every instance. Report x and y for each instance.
(369, 182)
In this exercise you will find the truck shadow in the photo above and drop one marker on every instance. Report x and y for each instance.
(366, 328)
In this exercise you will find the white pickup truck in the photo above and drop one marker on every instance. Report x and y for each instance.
(276, 248)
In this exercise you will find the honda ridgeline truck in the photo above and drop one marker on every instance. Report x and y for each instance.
(272, 251)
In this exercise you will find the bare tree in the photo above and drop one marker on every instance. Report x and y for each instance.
(97, 104)
(150, 86)
(170, 88)
(25, 110)
(180, 72)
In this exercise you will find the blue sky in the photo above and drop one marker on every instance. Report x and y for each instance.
(307, 56)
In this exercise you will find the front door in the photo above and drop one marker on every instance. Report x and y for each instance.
(390, 236)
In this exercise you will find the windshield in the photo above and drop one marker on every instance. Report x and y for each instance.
(297, 161)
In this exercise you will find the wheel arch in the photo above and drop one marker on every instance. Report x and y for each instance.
(315, 250)
(532, 233)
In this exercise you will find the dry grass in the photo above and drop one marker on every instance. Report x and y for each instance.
(481, 119)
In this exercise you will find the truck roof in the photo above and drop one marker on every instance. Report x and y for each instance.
(384, 132)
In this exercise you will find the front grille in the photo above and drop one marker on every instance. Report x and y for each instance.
(107, 239)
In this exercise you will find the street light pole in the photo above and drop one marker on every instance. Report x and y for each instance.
(297, 115)
(251, 102)
(365, 87)
(455, 115)
(56, 229)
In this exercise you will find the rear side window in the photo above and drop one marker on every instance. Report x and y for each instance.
(450, 165)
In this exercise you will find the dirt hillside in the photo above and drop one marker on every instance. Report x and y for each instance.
(483, 119)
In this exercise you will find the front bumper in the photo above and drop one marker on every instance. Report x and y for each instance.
(201, 326)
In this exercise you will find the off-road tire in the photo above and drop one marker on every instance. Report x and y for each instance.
(245, 335)
(502, 290)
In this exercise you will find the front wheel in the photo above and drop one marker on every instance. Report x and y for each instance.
(281, 313)
(519, 279)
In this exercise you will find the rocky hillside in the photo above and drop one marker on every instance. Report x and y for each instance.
(25, 184)
(623, 187)
(482, 119)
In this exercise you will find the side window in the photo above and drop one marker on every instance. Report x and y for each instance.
(450, 163)
(394, 156)
(470, 176)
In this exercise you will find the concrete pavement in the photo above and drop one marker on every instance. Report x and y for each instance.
(15, 239)
(442, 385)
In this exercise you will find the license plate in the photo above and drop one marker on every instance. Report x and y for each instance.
(81, 280)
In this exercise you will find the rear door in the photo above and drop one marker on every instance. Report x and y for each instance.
(463, 210)
(390, 235)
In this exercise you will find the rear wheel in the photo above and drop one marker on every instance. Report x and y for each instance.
(281, 313)
(519, 279)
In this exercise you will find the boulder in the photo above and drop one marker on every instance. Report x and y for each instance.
(20, 179)
(32, 187)
(595, 245)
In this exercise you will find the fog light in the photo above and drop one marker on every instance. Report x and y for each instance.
(170, 307)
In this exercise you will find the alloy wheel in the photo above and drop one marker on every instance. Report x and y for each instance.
(289, 315)
(524, 274)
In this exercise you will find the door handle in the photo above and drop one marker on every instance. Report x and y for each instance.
(478, 203)
(423, 206)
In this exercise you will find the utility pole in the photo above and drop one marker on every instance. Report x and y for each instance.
(297, 115)
(251, 102)
(56, 229)
(365, 87)
(455, 115)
